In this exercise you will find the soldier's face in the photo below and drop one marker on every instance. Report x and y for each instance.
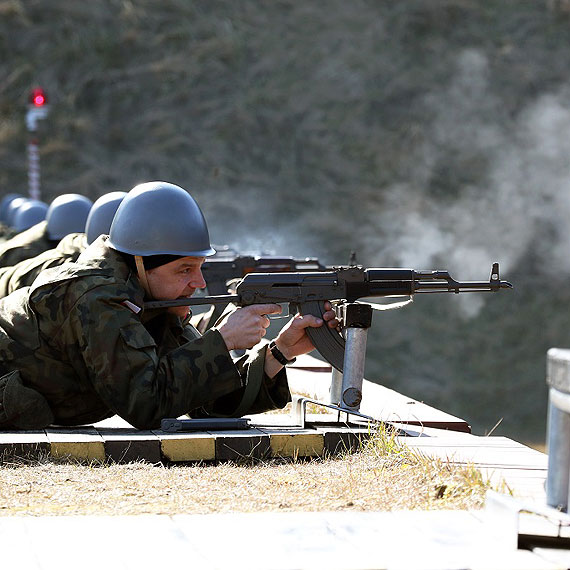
(176, 280)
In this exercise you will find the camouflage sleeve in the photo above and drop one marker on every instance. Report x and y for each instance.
(25, 245)
(121, 360)
(23, 273)
(272, 393)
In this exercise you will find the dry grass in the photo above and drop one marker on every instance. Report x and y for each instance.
(383, 475)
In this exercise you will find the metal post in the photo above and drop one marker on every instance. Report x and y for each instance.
(38, 109)
(336, 387)
(558, 428)
(33, 169)
(357, 319)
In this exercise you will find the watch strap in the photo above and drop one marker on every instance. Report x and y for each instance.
(278, 355)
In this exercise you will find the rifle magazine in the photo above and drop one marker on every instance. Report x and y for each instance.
(330, 343)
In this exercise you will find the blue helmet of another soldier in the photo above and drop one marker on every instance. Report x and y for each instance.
(5, 203)
(67, 214)
(102, 214)
(30, 213)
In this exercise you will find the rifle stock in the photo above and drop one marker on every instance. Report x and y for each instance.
(307, 292)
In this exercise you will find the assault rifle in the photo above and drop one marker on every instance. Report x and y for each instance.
(219, 271)
(307, 292)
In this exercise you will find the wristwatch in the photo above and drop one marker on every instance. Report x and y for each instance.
(278, 355)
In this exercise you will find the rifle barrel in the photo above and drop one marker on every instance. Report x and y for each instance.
(460, 287)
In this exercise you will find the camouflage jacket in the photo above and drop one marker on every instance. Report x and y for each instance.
(6, 232)
(76, 340)
(24, 273)
(25, 245)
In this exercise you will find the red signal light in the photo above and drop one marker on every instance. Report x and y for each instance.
(38, 97)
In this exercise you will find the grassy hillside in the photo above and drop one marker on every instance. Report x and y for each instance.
(423, 134)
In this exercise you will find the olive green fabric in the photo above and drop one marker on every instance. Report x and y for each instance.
(24, 273)
(25, 245)
(75, 337)
(22, 408)
(6, 232)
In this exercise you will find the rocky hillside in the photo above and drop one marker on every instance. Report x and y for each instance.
(421, 134)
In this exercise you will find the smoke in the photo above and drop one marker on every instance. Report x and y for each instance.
(249, 223)
(484, 183)
(513, 176)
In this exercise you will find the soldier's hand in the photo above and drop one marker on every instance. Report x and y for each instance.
(246, 326)
(293, 340)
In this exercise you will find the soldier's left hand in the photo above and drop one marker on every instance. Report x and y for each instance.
(293, 340)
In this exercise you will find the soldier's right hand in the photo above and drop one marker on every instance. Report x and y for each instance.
(246, 326)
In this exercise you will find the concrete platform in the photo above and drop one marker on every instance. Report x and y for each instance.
(269, 541)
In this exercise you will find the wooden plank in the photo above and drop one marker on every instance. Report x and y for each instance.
(195, 446)
(427, 437)
(82, 443)
(294, 442)
(124, 445)
(23, 444)
(482, 454)
(500, 460)
(240, 445)
(342, 439)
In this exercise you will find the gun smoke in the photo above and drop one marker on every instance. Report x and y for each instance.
(512, 179)
(526, 195)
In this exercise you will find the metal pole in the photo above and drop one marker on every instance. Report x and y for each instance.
(33, 169)
(353, 374)
(37, 110)
(558, 449)
(558, 428)
(336, 387)
(357, 319)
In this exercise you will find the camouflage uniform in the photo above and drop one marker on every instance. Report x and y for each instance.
(24, 273)
(74, 349)
(6, 232)
(25, 245)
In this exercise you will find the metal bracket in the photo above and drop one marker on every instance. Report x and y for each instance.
(299, 411)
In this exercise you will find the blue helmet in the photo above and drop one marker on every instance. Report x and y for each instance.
(13, 208)
(159, 218)
(30, 213)
(101, 215)
(67, 214)
(5, 202)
